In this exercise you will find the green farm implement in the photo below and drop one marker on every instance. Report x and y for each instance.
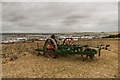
(68, 47)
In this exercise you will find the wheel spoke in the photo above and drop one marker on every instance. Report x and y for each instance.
(72, 42)
(68, 41)
(53, 48)
(49, 42)
(50, 45)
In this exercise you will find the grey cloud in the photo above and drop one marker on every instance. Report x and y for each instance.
(59, 17)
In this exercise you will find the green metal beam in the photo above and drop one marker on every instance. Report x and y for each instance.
(67, 52)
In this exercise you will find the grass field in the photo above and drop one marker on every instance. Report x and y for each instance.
(19, 61)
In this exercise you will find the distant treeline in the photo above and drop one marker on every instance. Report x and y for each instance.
(113, 36)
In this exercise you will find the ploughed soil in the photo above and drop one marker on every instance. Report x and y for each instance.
(19, 60)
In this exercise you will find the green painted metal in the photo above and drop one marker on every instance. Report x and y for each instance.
(68, 52)
(75, 49)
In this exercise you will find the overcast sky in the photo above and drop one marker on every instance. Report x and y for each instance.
(59, 17)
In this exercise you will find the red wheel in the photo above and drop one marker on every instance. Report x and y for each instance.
(89, 50)
(68, 41)
(50, 45)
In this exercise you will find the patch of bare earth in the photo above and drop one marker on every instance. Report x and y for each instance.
(28, 65)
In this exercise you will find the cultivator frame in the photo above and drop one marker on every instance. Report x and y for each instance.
(52, 49)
